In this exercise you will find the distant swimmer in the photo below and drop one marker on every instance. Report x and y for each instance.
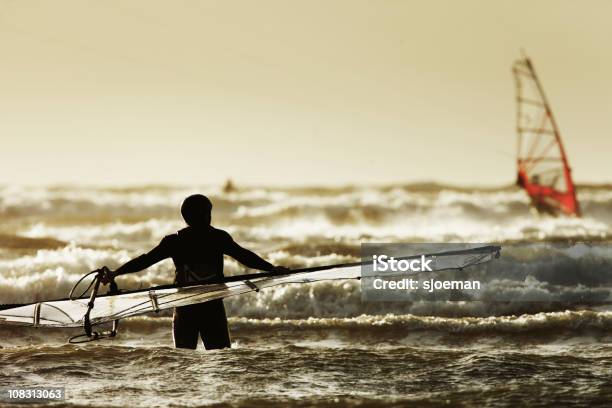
(229, 187)
(197, 252)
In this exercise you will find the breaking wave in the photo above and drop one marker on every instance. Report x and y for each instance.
(526, 279)
(423, 212)
(561, 325)
(50, 236)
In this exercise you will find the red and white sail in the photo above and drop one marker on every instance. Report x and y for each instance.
(543, 169)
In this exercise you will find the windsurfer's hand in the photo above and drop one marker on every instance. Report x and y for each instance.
(108, 276)
(281, 269)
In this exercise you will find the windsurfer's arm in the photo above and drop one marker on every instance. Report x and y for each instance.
(249, 258)
(159, 253)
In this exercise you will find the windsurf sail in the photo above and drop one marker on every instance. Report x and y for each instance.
(543, 169)
(95, 310)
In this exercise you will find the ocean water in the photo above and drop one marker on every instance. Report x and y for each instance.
(319, 344)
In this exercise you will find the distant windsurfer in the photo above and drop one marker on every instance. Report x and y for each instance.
(543, 167)
(197, 252)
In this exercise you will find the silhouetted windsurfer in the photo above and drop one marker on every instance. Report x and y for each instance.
(197, 252)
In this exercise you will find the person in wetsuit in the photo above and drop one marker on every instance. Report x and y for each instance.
(197, 252)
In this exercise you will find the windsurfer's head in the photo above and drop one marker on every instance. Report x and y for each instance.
(196, 210)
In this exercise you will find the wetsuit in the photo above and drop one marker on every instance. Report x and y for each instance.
(198, 255)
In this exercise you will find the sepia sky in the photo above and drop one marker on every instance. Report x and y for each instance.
(293, 92)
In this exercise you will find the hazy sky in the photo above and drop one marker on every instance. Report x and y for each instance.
(293, 92)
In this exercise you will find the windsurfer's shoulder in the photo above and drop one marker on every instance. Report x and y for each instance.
(169, 241)
(211, 234)
(221, 235)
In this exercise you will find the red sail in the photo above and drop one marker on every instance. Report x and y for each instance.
(543, 169)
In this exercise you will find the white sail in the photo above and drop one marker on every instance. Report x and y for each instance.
(70, 313)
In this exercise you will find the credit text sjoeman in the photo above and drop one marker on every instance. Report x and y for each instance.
(384, 263)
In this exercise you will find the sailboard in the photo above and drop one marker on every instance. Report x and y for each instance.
(543, 168)
(98, 309)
